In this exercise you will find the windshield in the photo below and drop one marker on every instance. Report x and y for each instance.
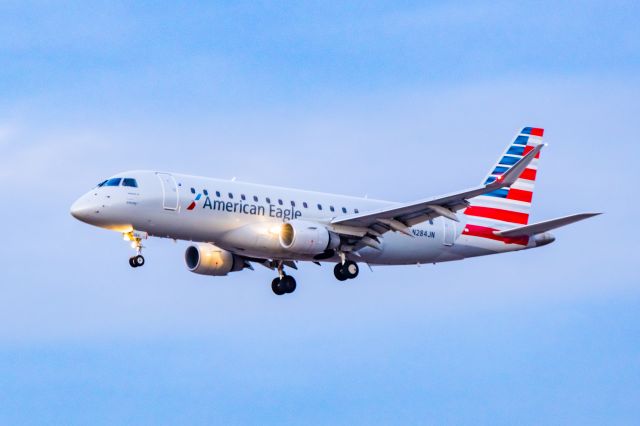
(113, 182)
(129, 182)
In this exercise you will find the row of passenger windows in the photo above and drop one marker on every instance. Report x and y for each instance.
(117, 181)
(268, 200)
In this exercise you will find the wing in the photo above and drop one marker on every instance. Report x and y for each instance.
(368, 226)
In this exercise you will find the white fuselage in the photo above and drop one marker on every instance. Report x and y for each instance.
(244, 218)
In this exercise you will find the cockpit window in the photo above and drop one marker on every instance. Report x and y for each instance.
(113, 182)
(101, 184)
(129, 182)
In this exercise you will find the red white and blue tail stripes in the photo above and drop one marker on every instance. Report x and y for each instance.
(507, 207)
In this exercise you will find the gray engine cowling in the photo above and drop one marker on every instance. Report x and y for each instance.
(304, 237)
(207, 259)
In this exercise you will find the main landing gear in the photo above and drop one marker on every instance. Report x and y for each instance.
(136, 242)
(283, 284)
(346, 270)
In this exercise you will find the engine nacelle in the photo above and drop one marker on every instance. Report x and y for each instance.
(207, 259)
(304, 237)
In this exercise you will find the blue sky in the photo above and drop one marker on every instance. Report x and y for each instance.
(397, 100)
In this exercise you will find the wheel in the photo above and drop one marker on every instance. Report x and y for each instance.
(350, 269)
(138, 260)
(276, 288)
(288, 284)
(131, 263)
(339, 273)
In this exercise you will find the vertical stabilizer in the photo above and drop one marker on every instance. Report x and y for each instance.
(509, 207)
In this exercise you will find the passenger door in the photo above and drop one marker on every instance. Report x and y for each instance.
(169, 191)
(449, 234)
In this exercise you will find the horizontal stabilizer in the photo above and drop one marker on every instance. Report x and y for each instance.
(547, 225)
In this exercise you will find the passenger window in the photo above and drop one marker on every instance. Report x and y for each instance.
(268, 200)
(255, 198)
(218, 194)
(293, 203)
(230, 196)
(332, 209)
(356, 211)
(206, 193)
(344, 210)
(243, 198)
(129, 182)
(319, 206)
(193, 190)
(113, 182)
(279, 201)
(305, 205)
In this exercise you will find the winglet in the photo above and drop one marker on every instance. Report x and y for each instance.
(511, 175)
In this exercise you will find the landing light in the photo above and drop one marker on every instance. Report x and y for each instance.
(127, 234)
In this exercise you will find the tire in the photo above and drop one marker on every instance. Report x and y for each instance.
(138, 261)
(131, 263)
(337, 271)
(288, 284)
(276, 288)
(350, 269)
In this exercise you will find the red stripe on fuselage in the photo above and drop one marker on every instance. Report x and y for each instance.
(485, 232)
(498, 214)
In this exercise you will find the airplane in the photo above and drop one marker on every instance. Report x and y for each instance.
(234, 225)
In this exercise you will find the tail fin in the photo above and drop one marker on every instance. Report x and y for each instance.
(503, 208)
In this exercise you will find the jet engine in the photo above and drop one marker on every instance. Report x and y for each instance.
(207, 259)
(303, 237)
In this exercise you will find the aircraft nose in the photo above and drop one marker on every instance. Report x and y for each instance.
(82, 209)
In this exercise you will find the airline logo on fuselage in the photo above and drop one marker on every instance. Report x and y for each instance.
(247, 208)
(194, 202)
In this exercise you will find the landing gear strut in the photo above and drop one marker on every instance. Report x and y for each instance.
(347, 270)
(136, 242)
(284, 283)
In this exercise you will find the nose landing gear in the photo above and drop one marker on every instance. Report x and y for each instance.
(136, 243)
(136, 261)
